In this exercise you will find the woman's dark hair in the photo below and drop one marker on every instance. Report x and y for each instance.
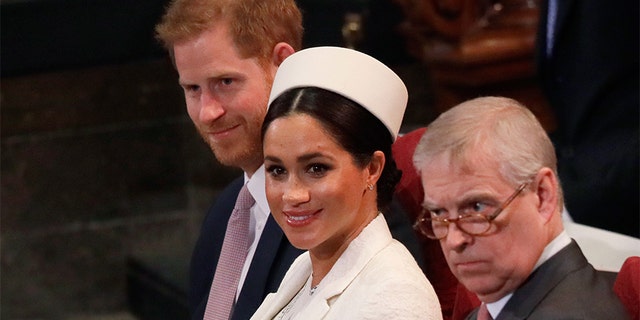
(355, 129)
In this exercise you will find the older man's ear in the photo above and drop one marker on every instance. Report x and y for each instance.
(545, 186)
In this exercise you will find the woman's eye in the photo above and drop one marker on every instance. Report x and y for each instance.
(275, 171)
(317, 169)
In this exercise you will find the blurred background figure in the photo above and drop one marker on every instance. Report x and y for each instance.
(587, 53)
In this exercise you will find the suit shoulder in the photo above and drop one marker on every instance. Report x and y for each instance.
(583, 294)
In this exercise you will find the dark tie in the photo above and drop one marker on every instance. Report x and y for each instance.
(234, 252)
(483, 313)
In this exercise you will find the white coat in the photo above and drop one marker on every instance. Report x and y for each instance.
(375, 278)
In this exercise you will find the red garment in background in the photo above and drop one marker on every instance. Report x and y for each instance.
(627, 286)
(456, 301)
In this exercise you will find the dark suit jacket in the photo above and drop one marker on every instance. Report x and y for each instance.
(592, 83)
(272, 258)
(564, 287)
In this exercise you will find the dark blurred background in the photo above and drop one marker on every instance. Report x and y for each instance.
(104, 181)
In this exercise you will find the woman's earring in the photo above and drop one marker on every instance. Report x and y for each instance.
(370, 187)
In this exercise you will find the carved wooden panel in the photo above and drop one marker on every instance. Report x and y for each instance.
(477, 47)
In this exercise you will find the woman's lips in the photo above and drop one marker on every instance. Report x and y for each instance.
(298, 219)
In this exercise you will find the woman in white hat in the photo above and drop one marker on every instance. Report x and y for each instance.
(332, 118)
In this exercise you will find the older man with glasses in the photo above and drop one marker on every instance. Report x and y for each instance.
(493, 200)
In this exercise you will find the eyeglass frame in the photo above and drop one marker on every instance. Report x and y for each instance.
(422, 219)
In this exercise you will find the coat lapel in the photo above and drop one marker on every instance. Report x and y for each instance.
(372, 239)
(541, 281)
(292, 282)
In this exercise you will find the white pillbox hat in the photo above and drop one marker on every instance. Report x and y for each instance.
(349, 73)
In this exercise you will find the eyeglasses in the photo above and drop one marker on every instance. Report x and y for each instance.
(474, 224)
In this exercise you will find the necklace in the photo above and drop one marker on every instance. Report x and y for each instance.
(284, 313)
(297, 303)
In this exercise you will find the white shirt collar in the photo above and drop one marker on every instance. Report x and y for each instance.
(557, 244)
(561, 241)
(494, 308)
(256, 186)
